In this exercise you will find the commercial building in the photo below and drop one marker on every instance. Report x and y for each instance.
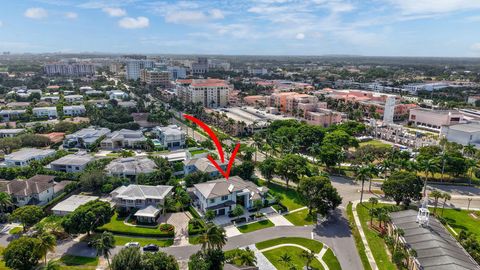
(69, 69)
(155, 77)
(134, 68)
(211, 93)
(177, 73)
(131, 167)
(71, 163)
(464, 134)
(38, 189)
(221, 196)
(415, 87)
(84, 137)
(171, 136)
(434, 119)
(70, 204)
(24, 156)
(200, 67)
(123, 138)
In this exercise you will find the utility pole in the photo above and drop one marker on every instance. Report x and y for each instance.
(469, 201)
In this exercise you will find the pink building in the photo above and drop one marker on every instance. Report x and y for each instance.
(434, 119)
(254, 100)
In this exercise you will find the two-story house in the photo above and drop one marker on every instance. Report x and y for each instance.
(50, 112)
(171, 136)
(203, 165)
(24, 156)
(74, 110)
(38, 189)
(147, 199)
(130, 167)
(124, 138)
(71, 163)
(221, 196)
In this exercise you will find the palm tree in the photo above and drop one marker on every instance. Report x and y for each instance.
(436, 195)
(446, 197)
(429, 166)
(363, 174)
(5, 201)
(382, 216)
(47, 243)
(52, 265)
(257, 143)
(469, 150)
(286, 259)
(214, 237)
(104, 244)
(309, 256)
(247, 257)
(471, 164)
(373, 213)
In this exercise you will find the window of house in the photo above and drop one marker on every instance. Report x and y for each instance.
(224, 198)
(212, 200)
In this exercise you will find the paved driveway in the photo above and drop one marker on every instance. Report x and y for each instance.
(180, 221)
(231, 231)
(279, 220)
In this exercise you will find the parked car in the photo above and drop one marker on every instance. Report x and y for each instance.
(132, 244)
(150, 247)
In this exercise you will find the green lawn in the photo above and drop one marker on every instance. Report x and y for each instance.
(331, 260)
(196, 152)
(296, 259)
(194, 240)
(461, 220)
(358, 240)
(121, 240)
(15, 230)
(255, 226)
(376, 243)
(290, 198)
(2, 263)
(77, 262)
(301, 218)
(311, 244)
(116, 225)
(376, 143)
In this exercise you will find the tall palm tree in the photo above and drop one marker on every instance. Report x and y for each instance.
(309, 256)
(257, 143)
(286, 259)
(214, 237)
(436, 195)
(363, 174)
(446, 197)
(104, 244)
(5, 201)
(247, 257)
(469, 150)
(429, 166)
(48, 242)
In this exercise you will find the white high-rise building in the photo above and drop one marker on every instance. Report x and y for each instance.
(69, 69)
(134, 68)
(177, 73)
(211, 93)
(389, 110)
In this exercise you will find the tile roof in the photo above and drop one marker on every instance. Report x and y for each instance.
(223, 187)
(34, 185)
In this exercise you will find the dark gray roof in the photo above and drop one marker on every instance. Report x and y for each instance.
(435, 246)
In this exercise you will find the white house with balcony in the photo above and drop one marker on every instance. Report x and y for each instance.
(75, 110)
(73, 98)
(50, 112)
(171, 136)
(24, 156)
(222, 195)
(124, 138)
(147, 201)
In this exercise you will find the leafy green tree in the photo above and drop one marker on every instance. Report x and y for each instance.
(22, 253)
(209, 215)
(5, 201)
(127, 259)
(158, 261)
(27, 215)
(237, 211)
(244, 170)
(103, 244)
(308, 256)
(93, 180)
(52, 265)
(267, 168)
(340, 138)
(291, 167)
(319, 194)
(446, 197)
(429, 166)
(331, 155)
(402, 187)
(198, 262)
(87, 217)
(195, 178)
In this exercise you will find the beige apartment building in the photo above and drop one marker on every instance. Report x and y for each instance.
(155, 77)
(434, 119)
(211, 93)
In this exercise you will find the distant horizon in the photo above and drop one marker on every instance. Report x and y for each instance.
(389, 28)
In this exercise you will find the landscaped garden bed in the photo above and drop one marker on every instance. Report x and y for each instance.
(117, 225)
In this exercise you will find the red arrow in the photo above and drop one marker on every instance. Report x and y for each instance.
(217, 143)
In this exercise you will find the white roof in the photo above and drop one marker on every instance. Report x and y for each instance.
(149, 211)
(141, 192)
(73, 202)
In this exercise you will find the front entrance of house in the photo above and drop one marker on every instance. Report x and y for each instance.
(241, 200)
(221, 212)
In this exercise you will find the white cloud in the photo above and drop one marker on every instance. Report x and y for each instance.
(114, 12)
(36, 13)
(300, 36)
(434, 6)
(71, 15)
(475, 47)
(216, 14)
(134, 23)
(1, 23)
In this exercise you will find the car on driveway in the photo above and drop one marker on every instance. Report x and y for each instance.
(132, 244)
(151, 247)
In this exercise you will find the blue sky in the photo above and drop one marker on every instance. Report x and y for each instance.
(270, 27)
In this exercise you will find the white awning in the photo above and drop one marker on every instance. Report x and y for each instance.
(149, 211)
